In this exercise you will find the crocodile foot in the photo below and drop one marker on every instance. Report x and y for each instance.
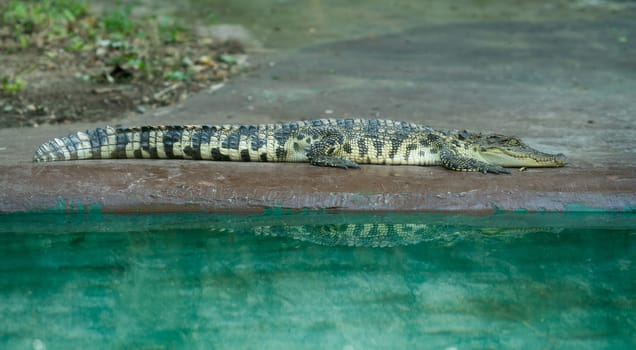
(334, 162)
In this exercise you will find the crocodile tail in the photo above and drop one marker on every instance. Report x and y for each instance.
(233, 142)
(117, 143)
(92, 144)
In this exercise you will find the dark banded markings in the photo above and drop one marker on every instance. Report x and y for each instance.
(379, 148)
(144, 141)
(285, 131)
(232, 141)
(216, 155)
(363, 149)
(245, 155)
(409, 148)
(73, 145)
(93, 136)
(281, 153)
(397, 140)
(120, 144)
(193, 150)
(171, 136)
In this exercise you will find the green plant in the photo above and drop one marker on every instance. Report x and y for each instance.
(117, 23)
(75, 43)
(176, 75)
(12, 85)
(169, 30)
(52, 19)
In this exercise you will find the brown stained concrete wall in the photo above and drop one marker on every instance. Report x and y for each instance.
(159, 186)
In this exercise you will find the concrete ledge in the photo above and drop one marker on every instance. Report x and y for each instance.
(168, 186)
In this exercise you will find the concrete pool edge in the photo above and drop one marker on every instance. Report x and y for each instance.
(178, 186)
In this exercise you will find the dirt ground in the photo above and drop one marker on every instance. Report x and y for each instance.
(64, 87)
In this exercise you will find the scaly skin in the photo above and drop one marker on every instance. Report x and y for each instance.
(340, 143)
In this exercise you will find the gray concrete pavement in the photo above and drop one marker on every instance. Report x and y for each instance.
(565, 87)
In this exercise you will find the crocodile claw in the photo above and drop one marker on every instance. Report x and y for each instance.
(494, 169)
(334, 162)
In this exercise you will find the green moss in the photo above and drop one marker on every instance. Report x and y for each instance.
(122, 39)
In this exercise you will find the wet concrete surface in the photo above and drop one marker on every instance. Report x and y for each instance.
(565, 87)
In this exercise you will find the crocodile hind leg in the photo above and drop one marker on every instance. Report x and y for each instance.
(327, 144)
(452, 161)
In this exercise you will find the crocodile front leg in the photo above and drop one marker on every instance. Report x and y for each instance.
(452, 161)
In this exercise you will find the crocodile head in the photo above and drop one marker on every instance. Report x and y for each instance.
(508, 151)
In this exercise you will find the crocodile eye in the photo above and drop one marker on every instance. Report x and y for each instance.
(513, 142)
(496, 139)
(504, 140)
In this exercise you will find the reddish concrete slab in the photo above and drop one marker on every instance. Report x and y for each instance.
(158, 186)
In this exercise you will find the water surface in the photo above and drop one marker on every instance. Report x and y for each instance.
(186, 281)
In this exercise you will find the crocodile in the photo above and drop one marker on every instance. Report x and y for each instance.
(381, 235)
(340, 143)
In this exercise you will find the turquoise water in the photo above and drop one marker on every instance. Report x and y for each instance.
(532, 281)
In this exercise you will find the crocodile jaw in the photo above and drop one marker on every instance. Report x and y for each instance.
(534, 159)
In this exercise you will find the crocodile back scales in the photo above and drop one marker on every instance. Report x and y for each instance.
(366, 141)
